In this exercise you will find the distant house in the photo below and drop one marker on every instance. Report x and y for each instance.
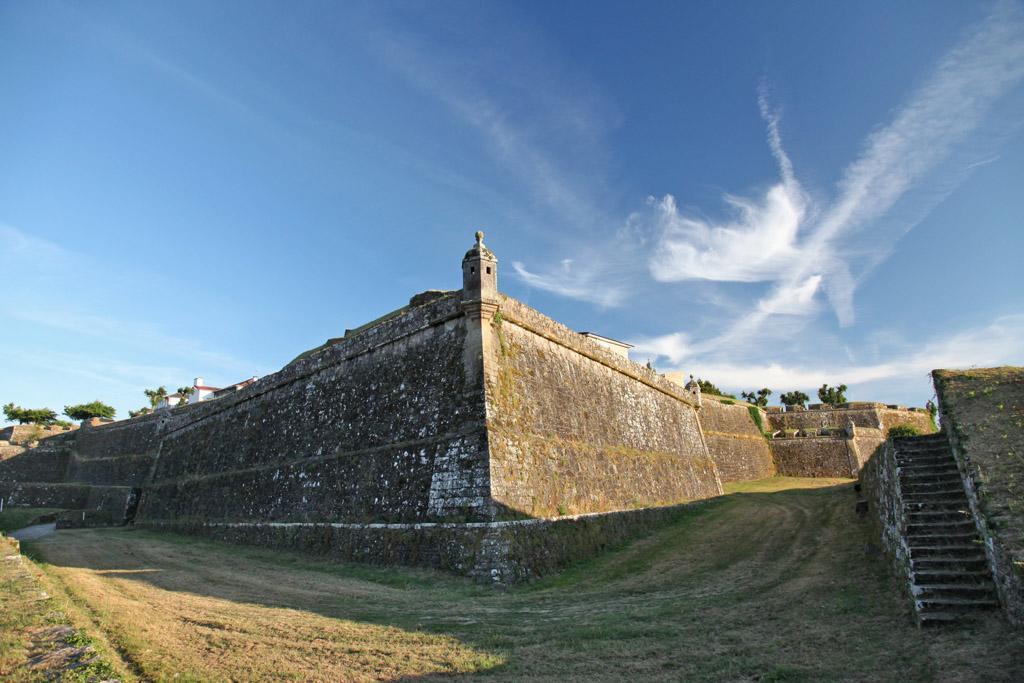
(171, 401)
(201, 392)
(217, 393)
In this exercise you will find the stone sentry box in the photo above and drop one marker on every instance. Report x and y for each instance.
(465, 431)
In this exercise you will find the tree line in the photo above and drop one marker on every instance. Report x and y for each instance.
(832, 396)
(47, 417)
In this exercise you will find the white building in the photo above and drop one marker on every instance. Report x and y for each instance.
(614, 345)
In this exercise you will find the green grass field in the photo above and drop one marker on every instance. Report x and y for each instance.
(769, 583)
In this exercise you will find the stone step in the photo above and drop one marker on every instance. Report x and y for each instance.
(937, 618)
(903, 461)
(953, 576)
(962, 538)
(965, 550)
(966, 591)
(940, 449)
(946, 468)
(924, 477)
(925, 453)
(962, 525)
(931, 486)
(955, 604)
(914, 506)
(947, 563)
(934, 494)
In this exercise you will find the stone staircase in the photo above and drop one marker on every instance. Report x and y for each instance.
(949, 573)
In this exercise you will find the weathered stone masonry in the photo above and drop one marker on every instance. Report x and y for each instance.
(465, 431)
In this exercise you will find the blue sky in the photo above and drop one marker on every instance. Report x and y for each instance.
(777, 194)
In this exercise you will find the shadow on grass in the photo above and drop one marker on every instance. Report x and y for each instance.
(784, 569)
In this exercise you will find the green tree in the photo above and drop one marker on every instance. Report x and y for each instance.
(758, 399)
(794, 398)
(156, 396)
(38, 416)
(141, 411)
(832, 396)
(707, 387)
(84, 411)
(186, 392)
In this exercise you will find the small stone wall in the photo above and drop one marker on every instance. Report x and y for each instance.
(112, 499)
(880, 488)
(869, 415)
(20, 435)
(737, 446)
(501, 552)
(814, 456)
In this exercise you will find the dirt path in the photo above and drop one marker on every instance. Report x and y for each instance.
(768, 586)
(34, 532)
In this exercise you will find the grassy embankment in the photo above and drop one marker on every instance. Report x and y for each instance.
(987, 406)
(764, 584)
(16, 518)
(36, 626)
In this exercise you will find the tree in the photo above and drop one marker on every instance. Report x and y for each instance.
(156, 396)
(186, 392)
(794, 398)
(141, 411)
(758, 399)
(38, 416)
(85, 411)
(832, 396)
(707, 387)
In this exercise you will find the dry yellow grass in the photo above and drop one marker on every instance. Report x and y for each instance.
(751, 586)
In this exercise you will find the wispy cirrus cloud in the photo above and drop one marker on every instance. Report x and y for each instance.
(574, 283)
(758, 243)
(781, 240)
(804, 249)
(997, 343)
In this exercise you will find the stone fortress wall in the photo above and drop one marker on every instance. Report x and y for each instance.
(464, 431)
(825, 441)
(368, 429)
(738, 447)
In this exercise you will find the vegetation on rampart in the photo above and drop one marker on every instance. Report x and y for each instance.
(85, 411)
(26, 416)
(986, 409)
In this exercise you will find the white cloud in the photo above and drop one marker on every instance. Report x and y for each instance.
(675, 347)
(998, 343)
(758, 244)
(780, 238)
(574, 283)
(795, 299)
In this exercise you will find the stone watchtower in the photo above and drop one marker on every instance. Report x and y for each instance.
(479, 272)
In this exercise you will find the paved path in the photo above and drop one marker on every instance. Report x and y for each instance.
(31, 533)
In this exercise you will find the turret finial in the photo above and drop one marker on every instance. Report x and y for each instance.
(479, 236)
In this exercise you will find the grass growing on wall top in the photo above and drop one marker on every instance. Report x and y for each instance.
(755, 415)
